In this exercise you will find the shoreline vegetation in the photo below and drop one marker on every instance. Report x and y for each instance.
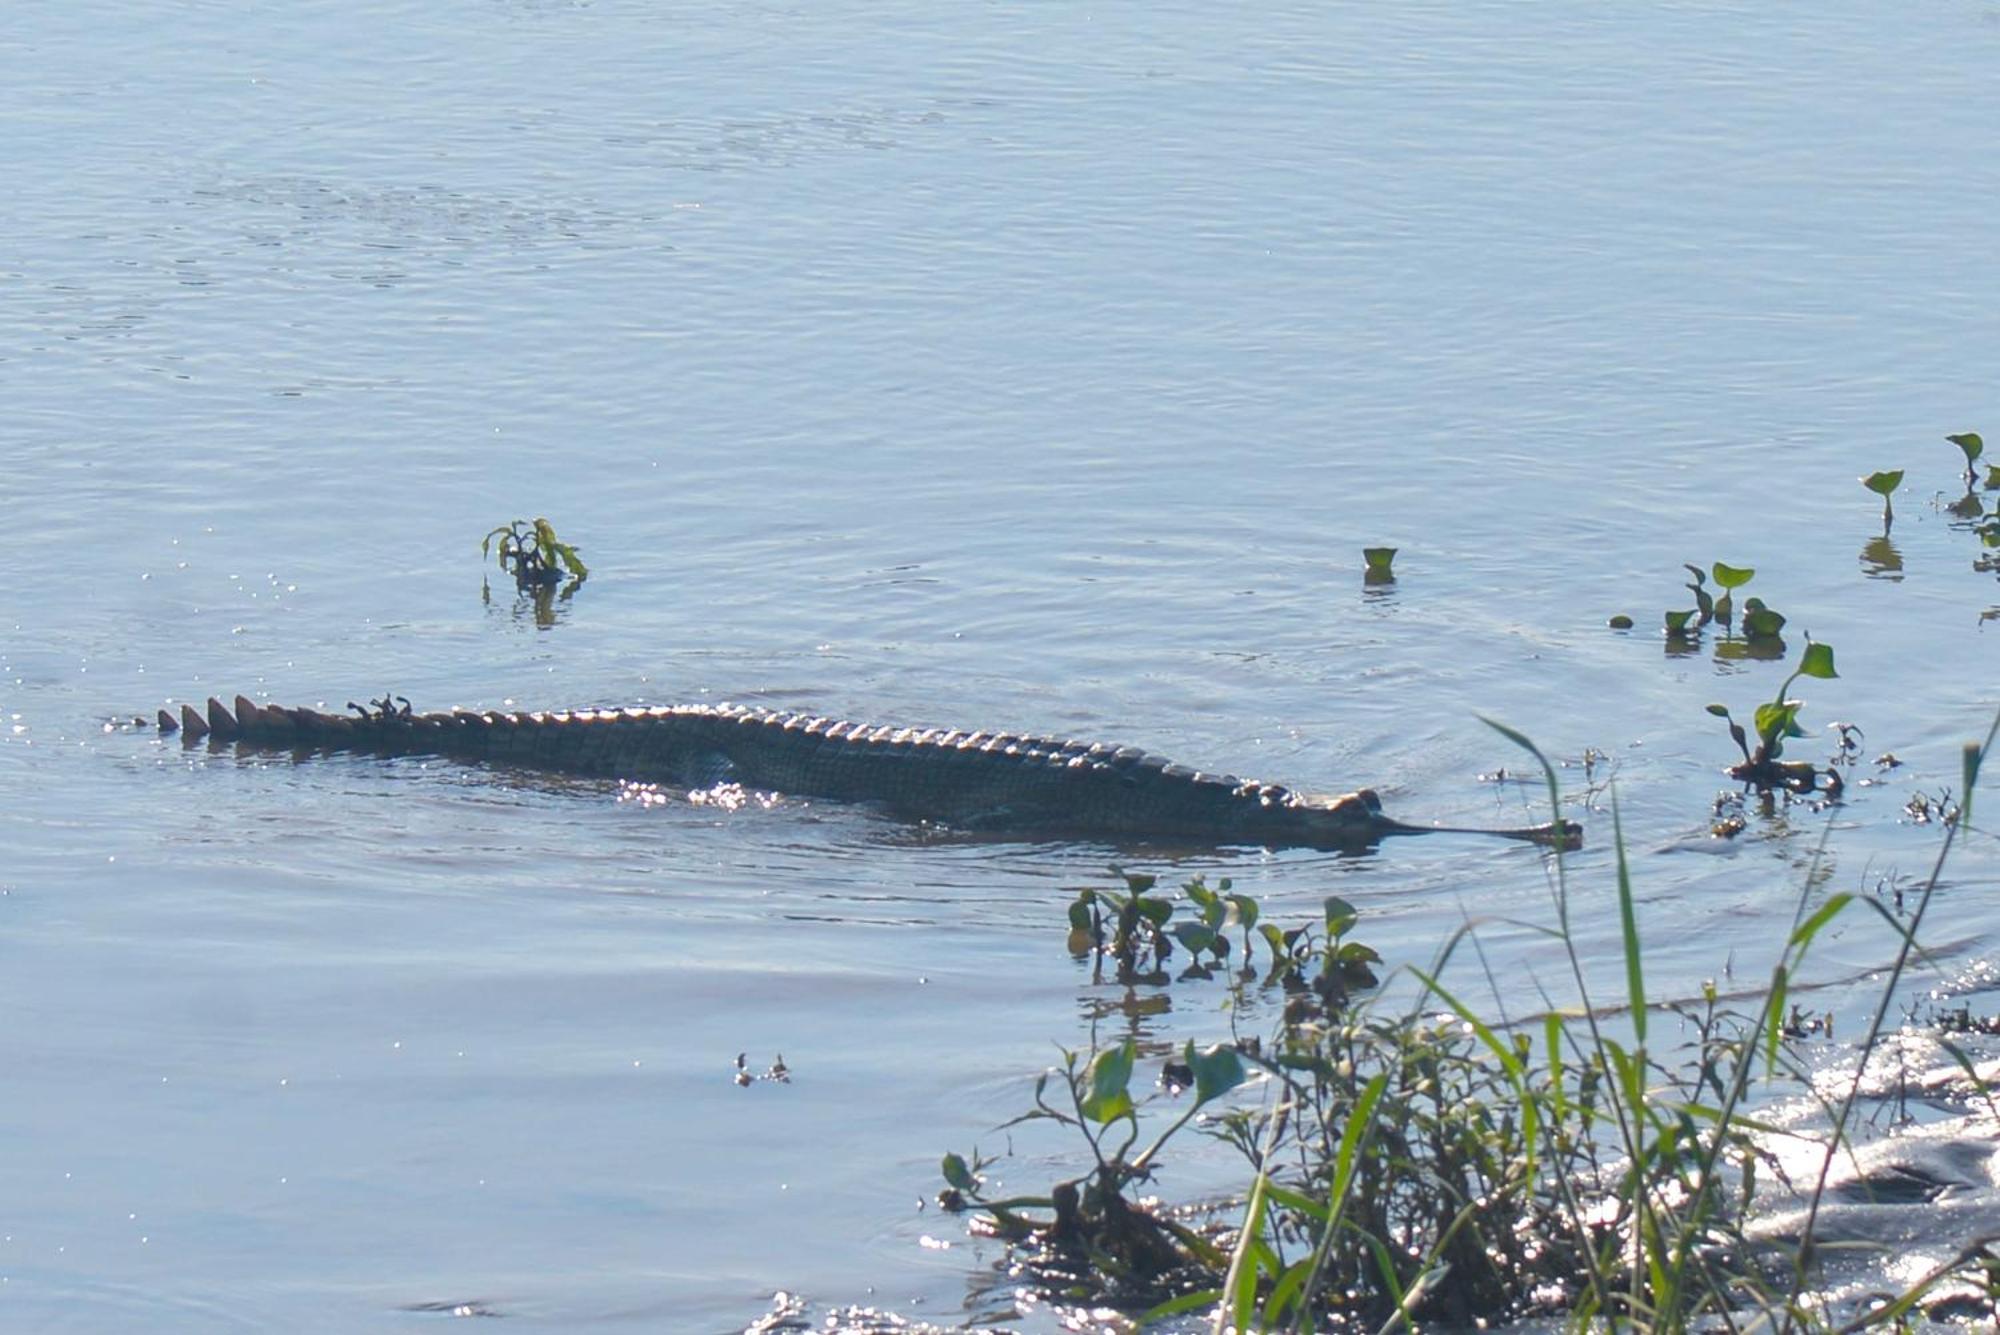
(1413, 1161)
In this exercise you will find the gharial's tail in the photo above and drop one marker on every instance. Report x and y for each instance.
(267, 722)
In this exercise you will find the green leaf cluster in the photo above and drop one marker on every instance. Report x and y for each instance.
(530, 551)
(1760, 622)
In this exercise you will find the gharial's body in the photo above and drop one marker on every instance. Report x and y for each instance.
(968, 780)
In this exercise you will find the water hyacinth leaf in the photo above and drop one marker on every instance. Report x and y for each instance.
(1818, 662)
(1705, 603)
(1138, 882)
(1195, 936)
(1700, 575)
(1354, 961)
(1340, 916)
(1760, 622)
(1109, 1077)
(1621, 622)
(958, 1174)
(1732, 577)
(1379, 559)
(1677, 622)
(1216, 1071)
(1884, 482)
(1720, 711)
(1971, 443)
(1776, 721)
(1245, 910)
(1992, 476)
(1080, 917)
(1273, 937)
(1725, 609)
(1354, 952)
(1155, 911)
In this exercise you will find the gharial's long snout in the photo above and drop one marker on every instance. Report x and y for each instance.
(1363, 809)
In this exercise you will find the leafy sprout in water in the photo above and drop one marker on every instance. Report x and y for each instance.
(1380, 561)
(1760, 623)
(533, 555)
(1776, 721)
(1973, 446)
(1882, 484)
(1703, 611)
(1731, 578)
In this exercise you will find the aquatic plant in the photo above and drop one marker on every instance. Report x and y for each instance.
(1970, 444)
(533, 555)
(1094, 1238)
(1136, 939)
(1884, 484)
(1761, 624)
(1378, 567)
(1776, 721)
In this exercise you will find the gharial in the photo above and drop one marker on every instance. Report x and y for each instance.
(977, 781)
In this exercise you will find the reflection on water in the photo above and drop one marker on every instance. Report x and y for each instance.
(1760, 649)
(1880, 559)
(544, 605)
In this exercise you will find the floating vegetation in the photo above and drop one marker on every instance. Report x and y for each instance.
(1883, 484)
(1776, 721)
(1972, 446)
(533, 555)
(538, 561)
(1762, 625)
(1379, 567)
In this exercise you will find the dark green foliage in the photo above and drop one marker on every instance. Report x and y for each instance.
(1972, 446)
(1777, 721)
(1759, 621)
(1884, 484)
(533, 555)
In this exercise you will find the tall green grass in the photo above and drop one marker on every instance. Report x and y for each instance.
(1405, 1170)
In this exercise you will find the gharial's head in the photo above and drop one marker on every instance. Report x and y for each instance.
(1336, 820)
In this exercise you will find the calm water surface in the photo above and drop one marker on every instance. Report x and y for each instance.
(1007, 366)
